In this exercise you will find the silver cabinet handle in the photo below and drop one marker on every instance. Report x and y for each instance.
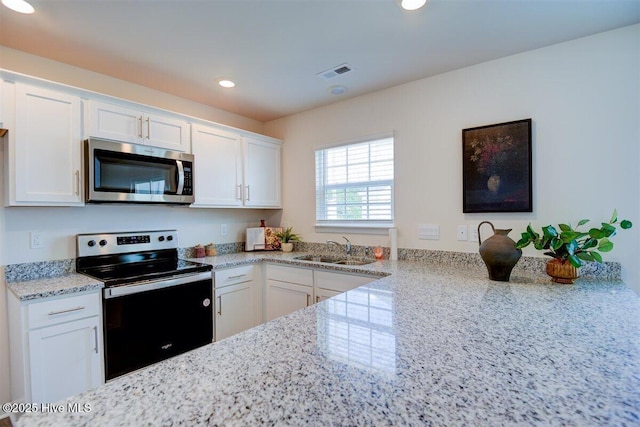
(248, 193)
(95, 336)
(220, 305)
(308, 300)
(69, 310)
(237, 277)
(77, 183)
(317, 298)
(148, 128)
(140, 127)
(239, 192)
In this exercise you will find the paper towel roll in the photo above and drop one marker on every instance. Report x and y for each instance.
(393, 243)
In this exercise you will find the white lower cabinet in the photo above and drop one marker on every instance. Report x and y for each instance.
(323, 294)
(287, 289)
(64, 359)
(329, 283)
(291, 288)
(55, 346)
(238, 300)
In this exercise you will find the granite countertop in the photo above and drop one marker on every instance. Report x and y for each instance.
(425, 345)
(31, 290)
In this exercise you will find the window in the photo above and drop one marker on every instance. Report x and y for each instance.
(354, 184)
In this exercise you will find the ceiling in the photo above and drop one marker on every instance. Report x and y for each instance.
(274, 49)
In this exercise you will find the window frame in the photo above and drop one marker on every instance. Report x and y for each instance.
(356, 226)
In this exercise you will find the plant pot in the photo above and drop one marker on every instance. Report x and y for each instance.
(287, 247)
(561, 271)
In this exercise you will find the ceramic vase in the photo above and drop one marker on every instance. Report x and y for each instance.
(287, 247)
(499, 253)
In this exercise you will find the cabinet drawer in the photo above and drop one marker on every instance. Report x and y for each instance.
(340, 282)
(300, 276)
(60, 310)
(233, 276)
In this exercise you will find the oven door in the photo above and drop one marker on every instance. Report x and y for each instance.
(119, 172)
(147, 323)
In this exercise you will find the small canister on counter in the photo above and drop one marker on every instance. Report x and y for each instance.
(210, 249)
(198, 251)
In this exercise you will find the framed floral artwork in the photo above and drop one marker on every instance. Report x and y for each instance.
(496, 168)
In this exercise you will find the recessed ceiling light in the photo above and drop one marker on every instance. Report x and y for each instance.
(226, 83)
(337, 90)
(412, 4)
(20, 6)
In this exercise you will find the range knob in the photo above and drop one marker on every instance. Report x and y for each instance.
(161, 238)
(169, 237)
(91, 243)
(102, 242)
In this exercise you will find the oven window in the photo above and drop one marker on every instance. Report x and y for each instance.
(130, 173)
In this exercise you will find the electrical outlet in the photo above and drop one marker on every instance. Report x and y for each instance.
(473, 233)
(223, 229)
(462, 232)
(37, 241)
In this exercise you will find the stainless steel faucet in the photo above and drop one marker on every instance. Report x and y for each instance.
(347, 246)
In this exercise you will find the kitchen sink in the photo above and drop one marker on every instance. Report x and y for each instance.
(334, 260)
(354, 261)
(319, 258)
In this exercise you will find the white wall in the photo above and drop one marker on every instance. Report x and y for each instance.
(583, 98)
(59, 226)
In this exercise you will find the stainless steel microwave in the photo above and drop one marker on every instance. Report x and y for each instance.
(130, 173)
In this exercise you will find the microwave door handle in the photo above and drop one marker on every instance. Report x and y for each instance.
(180, 177)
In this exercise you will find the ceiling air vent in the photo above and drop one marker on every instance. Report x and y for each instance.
(335, 71)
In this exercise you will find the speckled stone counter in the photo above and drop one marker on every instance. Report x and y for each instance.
(425, 345)
(71, 283)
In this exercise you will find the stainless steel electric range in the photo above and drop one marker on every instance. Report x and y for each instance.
(155, 305)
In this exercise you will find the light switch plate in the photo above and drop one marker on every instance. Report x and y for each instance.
(223, 229)
(429, 232)
(462, 232)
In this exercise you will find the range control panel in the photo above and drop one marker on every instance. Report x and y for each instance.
(118, 243)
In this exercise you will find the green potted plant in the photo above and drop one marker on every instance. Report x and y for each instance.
(287, 237)
(570, 247)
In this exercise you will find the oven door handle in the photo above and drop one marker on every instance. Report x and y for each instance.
(151, 285)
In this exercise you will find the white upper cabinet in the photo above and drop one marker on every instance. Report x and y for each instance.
(232, 170)
(137, 126)
(45, 146)
(262, 174)
(218, 166)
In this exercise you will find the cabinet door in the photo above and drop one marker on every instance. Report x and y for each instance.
(284, 298)
(65, 359)
(323, 294)
(47, 148)
(115, 122)
(235, 309)
(166, 132)
(218, 167)
(339, 282)
(262, 173)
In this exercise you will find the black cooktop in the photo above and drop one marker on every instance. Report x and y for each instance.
(122, 269)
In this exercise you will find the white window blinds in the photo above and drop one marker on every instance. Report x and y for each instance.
(354, 183)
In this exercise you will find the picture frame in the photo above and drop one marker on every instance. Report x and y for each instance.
(497, 168)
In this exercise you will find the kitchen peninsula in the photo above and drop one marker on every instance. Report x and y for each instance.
(425, 345)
